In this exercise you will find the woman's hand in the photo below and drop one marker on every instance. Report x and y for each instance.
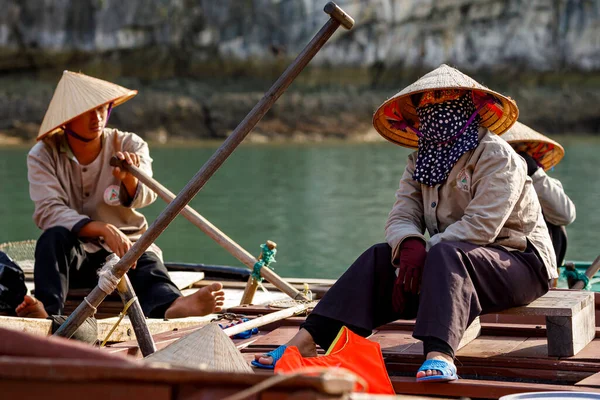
(412, 260)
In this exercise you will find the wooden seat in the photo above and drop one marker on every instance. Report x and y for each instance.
(570, 319)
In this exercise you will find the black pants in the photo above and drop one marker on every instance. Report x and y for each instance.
(62, 263)
(460, 281)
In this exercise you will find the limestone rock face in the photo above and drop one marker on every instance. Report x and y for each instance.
(200, 65)
(537, 35)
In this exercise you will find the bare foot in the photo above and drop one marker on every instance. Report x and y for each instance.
(206, 300)
(303, 341)
(31, 308)
(435, 356)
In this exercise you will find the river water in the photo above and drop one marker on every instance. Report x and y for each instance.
(322, 203)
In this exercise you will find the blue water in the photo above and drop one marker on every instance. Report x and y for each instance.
(322, 203)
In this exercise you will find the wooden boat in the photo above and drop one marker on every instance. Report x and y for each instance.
(509, 357)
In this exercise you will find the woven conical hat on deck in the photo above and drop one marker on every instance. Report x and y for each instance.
(207, 348)
(544, 150)
(77, 94)
(497, 117)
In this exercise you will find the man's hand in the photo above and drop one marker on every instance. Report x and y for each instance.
(116, 240)
(129, 181)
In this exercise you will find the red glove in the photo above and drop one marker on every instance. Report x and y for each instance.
(412, 260)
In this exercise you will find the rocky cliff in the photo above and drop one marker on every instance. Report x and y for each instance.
(201, 64)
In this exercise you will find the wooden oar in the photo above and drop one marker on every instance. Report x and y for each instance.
(590, 272)
(266, 319)
(212, 231)
(136, 316)
(96, 296)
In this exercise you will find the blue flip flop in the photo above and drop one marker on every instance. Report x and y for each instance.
(448, 371)
(274, 354)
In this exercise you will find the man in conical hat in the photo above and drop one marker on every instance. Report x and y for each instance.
(87, 209)
(488, 248)
(542, 154)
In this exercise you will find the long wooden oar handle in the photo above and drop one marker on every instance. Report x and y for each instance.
(339, 15)
(212, 231)
(96, 296)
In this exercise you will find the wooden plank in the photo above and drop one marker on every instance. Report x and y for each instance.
(124, 331)
(490, 346)
(483, 389)
(471, 333)
(394, 342)
(533, 347)
(590, 381)
(234, 296)
(185, 279)
(591, 353)
(94, 371)
(276, 337)
(555, 303)
(317, 290)
(484, 371)
(569, 334)
(35, 326)
(39, 389)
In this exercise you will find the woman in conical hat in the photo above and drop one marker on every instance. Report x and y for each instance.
(488, 247)
(87, 209)
(542, 154)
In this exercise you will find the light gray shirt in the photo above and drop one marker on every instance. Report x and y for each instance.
(487, 199)
(68, 194)
(557, 207)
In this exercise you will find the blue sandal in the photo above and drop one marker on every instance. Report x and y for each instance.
(448, 371)
(274, 354)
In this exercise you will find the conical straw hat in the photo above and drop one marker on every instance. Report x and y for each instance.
(496, 117)
(77, 94)
(207, 348)
(544, 150)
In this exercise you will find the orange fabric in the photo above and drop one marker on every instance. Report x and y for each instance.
(440, 96)
(351, 351)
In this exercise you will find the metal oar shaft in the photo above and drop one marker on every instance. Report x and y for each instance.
(96, 296)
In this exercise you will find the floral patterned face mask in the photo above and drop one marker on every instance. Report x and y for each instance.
(448, 130)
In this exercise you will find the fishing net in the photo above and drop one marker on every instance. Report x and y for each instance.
(23, 253)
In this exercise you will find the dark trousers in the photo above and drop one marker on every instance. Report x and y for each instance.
(460, 281)
(62, 263)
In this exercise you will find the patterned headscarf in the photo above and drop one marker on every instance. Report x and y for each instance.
(449, 129)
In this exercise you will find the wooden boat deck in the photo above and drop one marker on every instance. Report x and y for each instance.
(509, 357)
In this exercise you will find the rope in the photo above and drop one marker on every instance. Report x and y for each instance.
(121, 316)
(323, 373)
(578, 276)
(267, 257)
(90, 305)
(107, 281)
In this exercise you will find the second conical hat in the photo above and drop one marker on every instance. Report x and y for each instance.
(497, 117)
(77, 94)
(207, 348)
(544, 150)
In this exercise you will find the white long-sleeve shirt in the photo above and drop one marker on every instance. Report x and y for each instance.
(557, 207)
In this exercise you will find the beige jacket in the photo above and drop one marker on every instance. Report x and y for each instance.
(487, 199)
(68, 194)
(557, 207)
